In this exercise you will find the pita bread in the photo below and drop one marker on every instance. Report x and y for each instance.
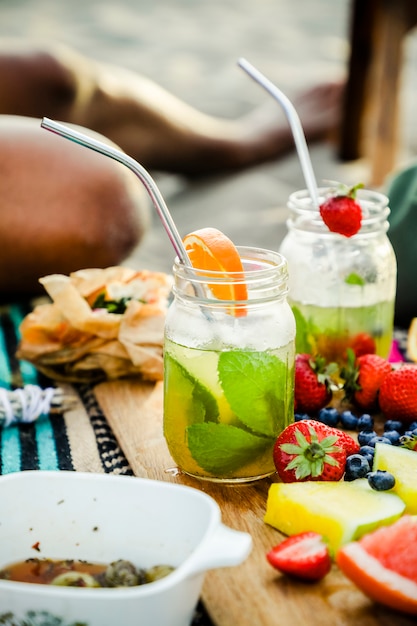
(74, 339)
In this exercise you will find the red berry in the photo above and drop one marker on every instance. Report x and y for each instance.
(363, 343)
(304, 556)
(312, 389)
(309, 450)
(342, 214)
(363, 379)
(348, 443)
(398, 394)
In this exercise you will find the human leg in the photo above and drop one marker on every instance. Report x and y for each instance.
(148, 123)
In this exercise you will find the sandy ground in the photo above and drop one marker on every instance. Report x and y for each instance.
(191, 47)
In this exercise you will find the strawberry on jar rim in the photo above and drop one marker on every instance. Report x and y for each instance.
(341, 213)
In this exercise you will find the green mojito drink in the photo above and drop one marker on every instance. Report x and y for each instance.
(331, 331)
(224, 409)
(229, 368)
(341, 288)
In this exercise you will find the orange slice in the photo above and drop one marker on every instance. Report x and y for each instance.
(383, 564)
(212, 251)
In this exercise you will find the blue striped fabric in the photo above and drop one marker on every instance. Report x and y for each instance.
(11, 449)
(45, 444)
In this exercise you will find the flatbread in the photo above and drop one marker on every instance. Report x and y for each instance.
(72, 339)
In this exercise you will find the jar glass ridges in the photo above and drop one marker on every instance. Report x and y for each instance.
(229, 370)
(342, 289)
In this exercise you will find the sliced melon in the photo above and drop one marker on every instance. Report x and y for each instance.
(339, 511)
(402, 464)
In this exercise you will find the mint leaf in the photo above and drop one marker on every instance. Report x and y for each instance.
(188, 394)
(222, 449)
(255, 385)
(303, 333)
(354, 279)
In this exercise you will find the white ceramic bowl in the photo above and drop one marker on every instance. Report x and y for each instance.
(103, 518)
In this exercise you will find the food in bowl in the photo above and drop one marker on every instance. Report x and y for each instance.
(80, 573)
(102, 518)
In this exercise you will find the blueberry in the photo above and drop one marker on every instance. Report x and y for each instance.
(368, 452)
(381, 480)
(348, 420)
(364, 436)
(301, 416)
(365, 422)
(357, 466)
(328, 416)
(374, 440)
(393, 425)
(412, 426)
(409, 432)
(393, 435)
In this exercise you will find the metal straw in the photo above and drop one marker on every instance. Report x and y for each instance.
(294, 121)
(139, 170)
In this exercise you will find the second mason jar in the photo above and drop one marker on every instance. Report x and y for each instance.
(229, 369)
(342, 289)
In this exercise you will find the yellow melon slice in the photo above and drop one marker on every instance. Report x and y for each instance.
(339, 511)
(402, 464)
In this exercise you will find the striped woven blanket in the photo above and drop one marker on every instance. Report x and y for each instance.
(75, 437)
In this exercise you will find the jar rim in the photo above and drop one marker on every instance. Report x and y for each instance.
(263, 262)
(265, 276)
(301, 200)
(306, 216)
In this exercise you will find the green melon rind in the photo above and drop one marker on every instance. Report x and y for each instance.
(402, 464)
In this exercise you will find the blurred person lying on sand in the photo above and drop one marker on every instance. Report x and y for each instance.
(64, 207)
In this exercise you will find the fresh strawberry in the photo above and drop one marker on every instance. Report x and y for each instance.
(341, 213)
(362, 379)
(309, 450)
(312, 389)
(304, 556)
(348, 443)
(398, 394)
(363, 343)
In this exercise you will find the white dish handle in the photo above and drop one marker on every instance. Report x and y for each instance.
(225, 548)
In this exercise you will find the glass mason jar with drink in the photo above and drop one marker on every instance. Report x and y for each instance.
(229, 367)
(342, 289)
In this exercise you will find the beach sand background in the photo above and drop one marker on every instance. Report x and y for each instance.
(191, 47)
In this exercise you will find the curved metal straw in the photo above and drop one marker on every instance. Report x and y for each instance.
(295, 124)
(139, 170)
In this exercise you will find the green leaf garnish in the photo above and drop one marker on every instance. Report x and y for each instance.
(112, 306)
(256, 386)
(354, 279)
(303, 344)
(221, 449)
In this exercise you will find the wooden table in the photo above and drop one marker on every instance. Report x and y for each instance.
(252, 594)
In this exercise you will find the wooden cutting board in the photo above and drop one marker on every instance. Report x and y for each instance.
(251, 594)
